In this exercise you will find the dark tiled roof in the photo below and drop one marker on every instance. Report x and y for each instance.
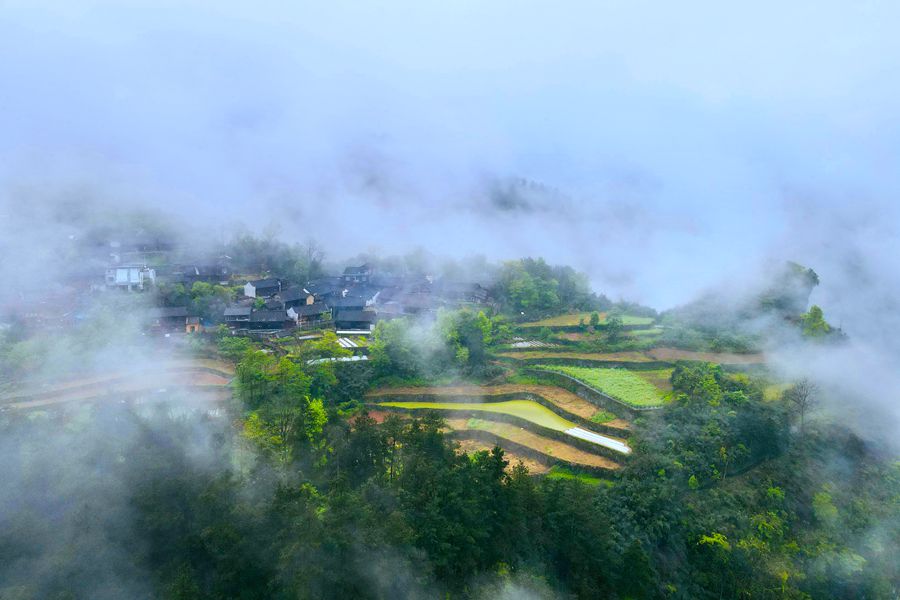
(347, 303)
(355, 316)
(268, 316)
(293, 294)
(360, 270)
(323, 286)
(167, 312)
(238, 311)
(264, 283)
(362, 291)
(311, 309)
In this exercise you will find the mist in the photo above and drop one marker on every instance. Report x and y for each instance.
(667, 151)
(677, 142)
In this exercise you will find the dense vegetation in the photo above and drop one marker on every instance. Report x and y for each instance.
(722, 499)
(299, 493)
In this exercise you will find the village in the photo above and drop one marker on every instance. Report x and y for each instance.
(272, 306)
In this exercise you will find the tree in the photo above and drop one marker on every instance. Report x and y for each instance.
(802, 398)
(614, 328)
(595, 319)
(814, 324)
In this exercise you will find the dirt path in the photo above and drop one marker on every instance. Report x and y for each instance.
(560, 397)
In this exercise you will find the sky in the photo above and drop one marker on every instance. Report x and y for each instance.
(677, 145)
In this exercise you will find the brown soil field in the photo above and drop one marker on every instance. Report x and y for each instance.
(661, 378)
(560, 397)
(534, 467)
(607, 356)
(725, 358)
(552, 448)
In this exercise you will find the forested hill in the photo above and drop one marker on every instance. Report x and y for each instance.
(585, 449)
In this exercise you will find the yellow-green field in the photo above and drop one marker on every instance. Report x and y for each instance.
(571, 319)
(523, 409)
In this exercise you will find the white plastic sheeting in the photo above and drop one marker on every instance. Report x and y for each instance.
(601, 440)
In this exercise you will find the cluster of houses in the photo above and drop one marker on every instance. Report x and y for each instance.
(352, 302)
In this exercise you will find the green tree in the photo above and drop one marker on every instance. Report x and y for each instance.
(813, 323)
(614, 328)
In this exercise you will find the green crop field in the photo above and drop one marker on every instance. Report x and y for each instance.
(603, 416)
(622, 384)
(523, 409)
(571, 319)
(561, 472)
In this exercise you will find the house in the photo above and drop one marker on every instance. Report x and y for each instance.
(130, 277)
(360, 274)
(367, 293)
(355, 320)
(262, 288)
(169, 318)
(309, 313)
(348, 303)
(325, 289)
(473, 293)
(236, 315)
(296, 297)
(268, 320)
(218, 273)
(192, 325)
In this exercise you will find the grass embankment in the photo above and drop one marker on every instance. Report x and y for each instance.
(626, 386)
(553, 449)
(571, 319)
(562, 398)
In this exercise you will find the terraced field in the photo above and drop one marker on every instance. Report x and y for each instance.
(723, 358)
(536, 467)
(571, 319)
(552, 449)
(622, 357)
(206, 379)
(559, 397)
(523, 409)
(526, 410)
(626, 386)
